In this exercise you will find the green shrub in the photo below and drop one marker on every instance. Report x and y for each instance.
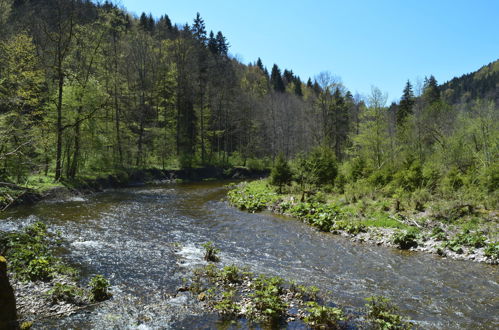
(280, 174)
(30, 254)
(323, 317)
(230, 274)
(99, 288)
(211, 252)
(318, 168)
(492, 250)
(66, 292)
(490, 178)
(227, 305)
(453, 180)
(383, 315)
(405, 239)
(266, 298)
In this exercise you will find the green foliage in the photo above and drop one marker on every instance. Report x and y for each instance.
(99, 288)
(323, 317)
(281, 173)
(230, 274)
(30, 254)
(405, 239)
(227, 306)
(383, 315)
(210, 252)
(492, 250)
(266, 297)
(66, 293)
(253, 197)
(466, 238)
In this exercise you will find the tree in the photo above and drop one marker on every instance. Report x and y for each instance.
(199, 29)
(21, 99)
(431, 92)
(276, 79)
(406, 103)
(280, 174)
(372, 142)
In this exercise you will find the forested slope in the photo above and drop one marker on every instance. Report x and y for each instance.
(88, 88)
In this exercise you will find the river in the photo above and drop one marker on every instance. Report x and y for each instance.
(146, 239)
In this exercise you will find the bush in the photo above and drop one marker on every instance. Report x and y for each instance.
(317, 168)
(452, 181)
(266, 298)
(490, 178)
(492, 250)
(281, 173)
(211, 252)
(383, 315)
(66, 292)
(405, 239)
(99, 287)
(31, 256)
(323, 317)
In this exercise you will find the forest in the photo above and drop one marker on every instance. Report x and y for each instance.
(88, 88)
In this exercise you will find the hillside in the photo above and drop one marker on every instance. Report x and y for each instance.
(483, 83)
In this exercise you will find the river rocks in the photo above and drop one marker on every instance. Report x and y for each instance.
(34, 300)
(8, 315)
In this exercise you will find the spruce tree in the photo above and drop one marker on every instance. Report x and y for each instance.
(281, 173)
(260, 64)
(222, 44)
(406, 103)
(276, 79)
(212, 43)
(431, 92)
(199, 29)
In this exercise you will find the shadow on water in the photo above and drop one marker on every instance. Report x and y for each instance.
(146, 239)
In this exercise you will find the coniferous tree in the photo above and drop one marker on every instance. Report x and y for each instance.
(212, 43)
(259, 64)
(406, 103)
(199, 29)
(431, 92)
(276, 79)
(222, 44)
(281, 172)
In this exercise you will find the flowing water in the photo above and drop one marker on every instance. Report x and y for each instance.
(146, 239)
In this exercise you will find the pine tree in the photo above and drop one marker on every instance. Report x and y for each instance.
(431, 92)
(406, 103)
(298, 91)
(260, 64)
(276, 79)
(281, 173)
(199, 29)
(222, 44)
(212, 43)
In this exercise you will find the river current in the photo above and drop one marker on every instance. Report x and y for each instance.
(147, 239)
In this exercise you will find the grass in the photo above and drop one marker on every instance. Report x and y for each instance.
(465, 225)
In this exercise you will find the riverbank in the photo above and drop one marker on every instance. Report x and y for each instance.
(44, 285)
(41, 187)
(459, 232)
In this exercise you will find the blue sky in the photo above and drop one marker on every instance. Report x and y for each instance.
(371, 42)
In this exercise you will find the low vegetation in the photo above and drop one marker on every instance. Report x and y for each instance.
(31, 256)
(271, 301)
(416, 208)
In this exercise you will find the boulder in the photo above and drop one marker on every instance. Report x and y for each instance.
(8, 315)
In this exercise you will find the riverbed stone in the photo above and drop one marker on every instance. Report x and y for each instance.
(8, 314)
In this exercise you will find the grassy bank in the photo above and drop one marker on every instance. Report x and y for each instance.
(446, 227)
(36, 187)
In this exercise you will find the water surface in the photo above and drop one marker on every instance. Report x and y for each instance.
(146, 239)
